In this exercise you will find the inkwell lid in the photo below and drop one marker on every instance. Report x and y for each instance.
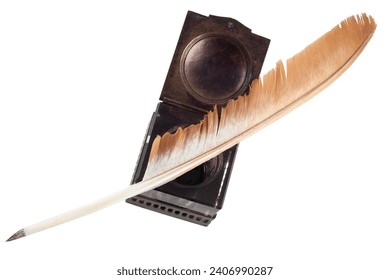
(215, 60)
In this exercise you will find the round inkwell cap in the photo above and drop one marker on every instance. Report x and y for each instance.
(215, 68)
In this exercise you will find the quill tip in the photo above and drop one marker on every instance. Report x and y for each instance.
(17, 235)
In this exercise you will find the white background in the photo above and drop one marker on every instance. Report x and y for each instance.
(79, 80)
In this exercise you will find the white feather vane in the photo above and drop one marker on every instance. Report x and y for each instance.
(279, 91)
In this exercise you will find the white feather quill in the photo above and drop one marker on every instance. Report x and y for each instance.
(278, 92)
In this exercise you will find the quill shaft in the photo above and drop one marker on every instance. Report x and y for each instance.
(128, 192)
(107, 201)
(97, 205)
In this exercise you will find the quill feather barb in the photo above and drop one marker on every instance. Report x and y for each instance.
(279, 91)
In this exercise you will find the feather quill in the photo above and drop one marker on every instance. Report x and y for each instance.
(279, 91)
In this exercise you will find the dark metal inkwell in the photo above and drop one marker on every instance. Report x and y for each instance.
(215, 60)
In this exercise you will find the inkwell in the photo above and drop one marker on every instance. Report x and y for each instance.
(215, 60)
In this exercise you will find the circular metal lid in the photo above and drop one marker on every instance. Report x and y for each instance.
(215, 68)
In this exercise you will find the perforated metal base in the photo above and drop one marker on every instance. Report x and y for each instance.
(172, 210)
